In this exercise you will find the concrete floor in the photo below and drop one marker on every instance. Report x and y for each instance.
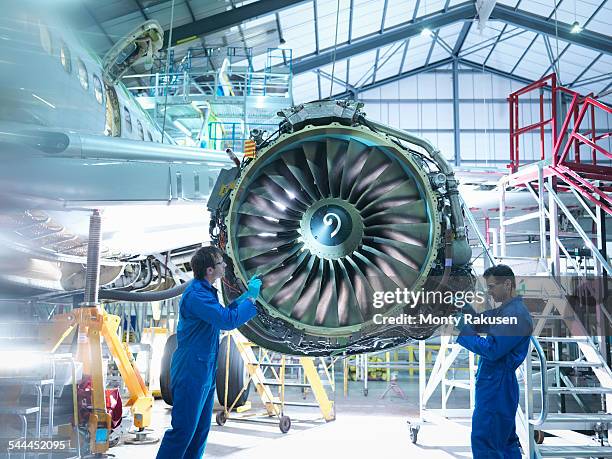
(365, 427)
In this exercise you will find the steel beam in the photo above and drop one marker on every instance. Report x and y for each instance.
(604, 91)
(375, 67)
(243, 39)
(495, 71)
(221, 21)
(398, 77)
(434, 40)
(337, 80)
(437, 65)
(594, 80)
(456, 125)
(588, 21)
(463, 12)
(384, 16)
(139, 5)
(540, 24)
(350, 26)
(515, 32)
(495, 44)
(406, 44)
(553, 61)
(316, 27)
(407, 41)
(586, 69)
(465, 30)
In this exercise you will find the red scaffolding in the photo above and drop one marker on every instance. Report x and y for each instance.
(561, 156)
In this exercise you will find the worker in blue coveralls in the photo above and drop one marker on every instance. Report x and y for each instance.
(501, 353)
(194, 364)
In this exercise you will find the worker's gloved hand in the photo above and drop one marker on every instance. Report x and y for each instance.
(253, 287)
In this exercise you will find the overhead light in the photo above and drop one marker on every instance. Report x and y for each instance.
(426, 32)
(282, 43)
(576, 27)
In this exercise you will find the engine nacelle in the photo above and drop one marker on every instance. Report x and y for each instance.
(334, 212)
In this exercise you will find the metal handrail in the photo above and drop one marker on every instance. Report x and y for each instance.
(541, 419)
(470, 218)
(587, 241)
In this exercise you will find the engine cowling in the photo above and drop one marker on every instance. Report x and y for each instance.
(333, 213)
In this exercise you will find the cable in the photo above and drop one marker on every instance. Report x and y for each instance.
(557, 59)
(331, 84)
(167, 71)
(143, 296)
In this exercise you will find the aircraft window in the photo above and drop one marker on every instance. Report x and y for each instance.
(127, 118)
(97, 84)
(83, 76)
(140, 131)
(65, 58)
(45, 38)
(112, 125)
(149, 136)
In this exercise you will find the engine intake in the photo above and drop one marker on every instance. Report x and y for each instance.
(330, 212)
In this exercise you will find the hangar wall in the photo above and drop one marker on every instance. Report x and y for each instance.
(423, 104)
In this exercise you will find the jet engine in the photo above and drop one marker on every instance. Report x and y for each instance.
(337, 214)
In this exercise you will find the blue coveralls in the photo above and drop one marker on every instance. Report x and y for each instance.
(194, 366)
(497, 392)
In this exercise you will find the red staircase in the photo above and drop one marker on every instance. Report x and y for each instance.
(590, 175)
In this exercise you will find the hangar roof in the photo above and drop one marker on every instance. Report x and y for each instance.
(338, 45)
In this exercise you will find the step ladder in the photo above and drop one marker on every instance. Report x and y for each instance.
(275, 404)
(558, 312)
(557, 308)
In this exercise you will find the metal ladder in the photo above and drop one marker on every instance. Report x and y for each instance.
(564, 423)
(275, 404)
(557, 308)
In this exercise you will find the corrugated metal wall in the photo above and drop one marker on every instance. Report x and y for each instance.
(423, 104)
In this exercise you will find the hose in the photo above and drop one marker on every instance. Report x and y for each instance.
(143, 296)
(451, 181)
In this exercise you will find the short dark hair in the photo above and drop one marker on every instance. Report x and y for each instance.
(501, 273)
(204, 258)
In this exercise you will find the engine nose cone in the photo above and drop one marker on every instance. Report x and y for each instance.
(329, 215)
(332, 228)
(331, 225)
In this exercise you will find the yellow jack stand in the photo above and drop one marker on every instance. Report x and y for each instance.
(92, 324)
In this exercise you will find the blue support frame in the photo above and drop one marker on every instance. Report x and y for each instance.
(586, 69)
(462, 12)
(459, 13)
(230, 18)
(542, 25)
